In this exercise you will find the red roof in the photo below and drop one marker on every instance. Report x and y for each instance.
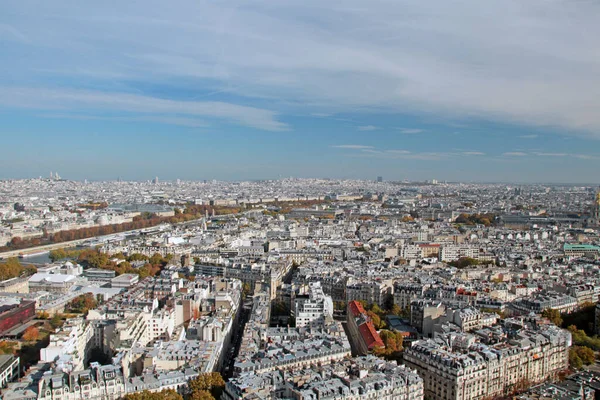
(370, 335)
(356, 308)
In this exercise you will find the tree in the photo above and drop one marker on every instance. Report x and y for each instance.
(7, 347)
(201, 395)
(56, 321)
(246, 289)
(42, 315)
(574, 360)
(168, 394)
(375, 319)
(580, 356)
(553, 315)
(58, 254)
(10, 269)
(82, 303)
(31, 334)
(211, 382)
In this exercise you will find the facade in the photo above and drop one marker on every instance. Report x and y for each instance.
(581, 250)
(16, 314)
(52, 283)
(314, 308)
(9, 369)
(97, 274)
(458, 366)
(15, 285)
(124, 281)
(100, 382)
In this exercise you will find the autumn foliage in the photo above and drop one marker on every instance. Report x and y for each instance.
(168, 394)
(145, 220)
(206, 386)
(81, 304)
(31, 334)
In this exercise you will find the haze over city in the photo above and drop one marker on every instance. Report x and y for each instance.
(472, 91)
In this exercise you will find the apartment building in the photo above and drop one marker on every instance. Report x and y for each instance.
(459, 366)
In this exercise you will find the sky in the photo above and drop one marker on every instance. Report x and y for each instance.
(470, 90)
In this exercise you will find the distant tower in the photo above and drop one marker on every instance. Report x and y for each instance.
(51, 176)
(156, 180)
(380, 179)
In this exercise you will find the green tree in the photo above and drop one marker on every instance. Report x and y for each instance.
(58, 254)
(574, 360)
(586, 354)
(56, 321)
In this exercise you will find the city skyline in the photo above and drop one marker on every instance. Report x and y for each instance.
(501, 92)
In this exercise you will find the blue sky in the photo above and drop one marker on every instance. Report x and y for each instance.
(459, 90)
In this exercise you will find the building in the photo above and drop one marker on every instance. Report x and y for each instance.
(15, 285)
(313, 308)
(16, 314)
(459, 366)
(124, 281)
(97, 274)
(581, 250)
(52, 283)
(351, 378)
(361, 331)
(9, 369)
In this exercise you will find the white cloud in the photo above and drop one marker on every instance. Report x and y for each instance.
(514, 154)
(410, 131)
(353, 146)
(529, 136)
(60, 99)
(473, 153)
(367, 128)
(506, 60)
(398, 151)
(551, 154)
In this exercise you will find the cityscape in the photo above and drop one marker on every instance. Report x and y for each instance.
(299, 200)
(298, 289)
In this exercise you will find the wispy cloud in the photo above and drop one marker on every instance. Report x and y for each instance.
(411, 131)
(514, 154)
(368, 128)
(84, 100)
(182, 121)
(550, 154)
(352, 146)
(398, 151)
(473, 153)
(532, 136)
(332, 57)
